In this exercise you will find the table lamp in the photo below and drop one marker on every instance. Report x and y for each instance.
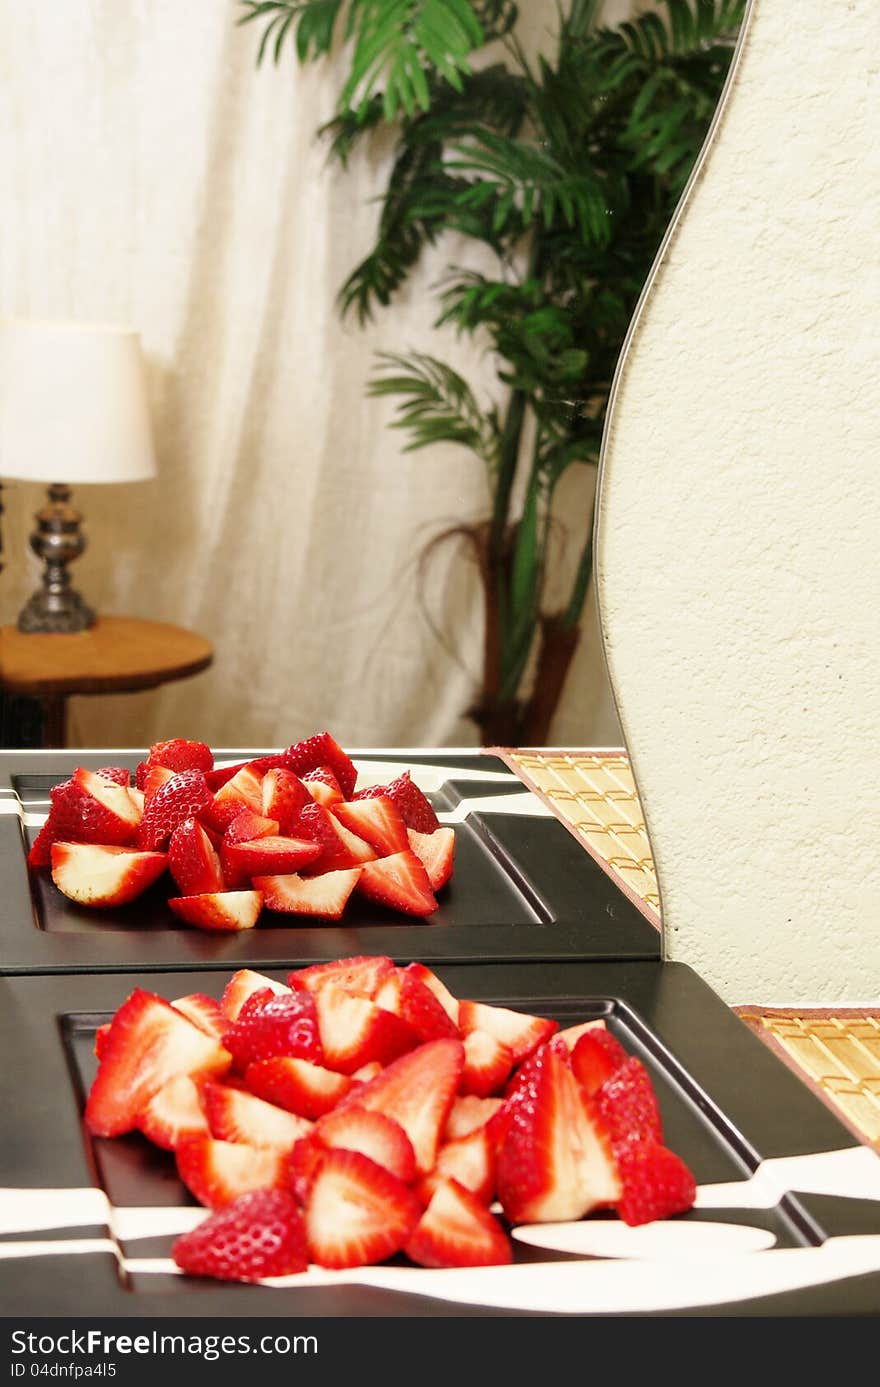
(73, 409)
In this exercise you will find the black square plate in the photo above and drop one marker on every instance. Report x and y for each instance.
(523, 887)
(787, 1221)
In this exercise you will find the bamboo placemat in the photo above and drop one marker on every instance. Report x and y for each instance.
(836, 1051)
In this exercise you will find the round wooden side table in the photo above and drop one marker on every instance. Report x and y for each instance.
(119, 654)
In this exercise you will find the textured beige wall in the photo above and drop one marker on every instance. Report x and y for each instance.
(740, 516)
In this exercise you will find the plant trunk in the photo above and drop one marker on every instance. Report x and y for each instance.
(558, 643)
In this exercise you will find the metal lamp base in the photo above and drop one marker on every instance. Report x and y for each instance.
(57, 540)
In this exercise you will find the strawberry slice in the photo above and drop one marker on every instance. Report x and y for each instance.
(174, 1114)
(355, 1031)
(204, 1012)
(553, 1164)
(101, 1035)
(413, 806)
(242, 791)
(120, 775)
(283, 1024)
(656, 1182)
(418, 1091)
(184, 796)
(377, 821)
(217, 1172)
(103, 876)
(193, 860)
(298, 1086)
(400, 882)
(468, 1114)
(470, 1160)
(518, 1030)
(627, 1105)
(244, 828)
(323, 786)
(271, 855)
(257, 1235)
(147, 1044)
(488, 1063)
(356, 1212)
(236, 1115)
(436, 852)
(283, 795)
(409, 998)
(244, 984)
(449, 1003)
(457, 1230)
(260, 765)
(181, 755)
(219, 910)
(77, 816)
(572, 1034)
(325, 895)
(323, 750)
(340, 847)
(361, 975)
(595, 1056)
(354, 1128)
(154, 778)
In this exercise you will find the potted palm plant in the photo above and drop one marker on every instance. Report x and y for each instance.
(568, 167)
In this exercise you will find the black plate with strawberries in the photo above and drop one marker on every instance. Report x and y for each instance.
(183, 857)
(719, 1185)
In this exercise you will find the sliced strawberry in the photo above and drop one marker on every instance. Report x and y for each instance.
(244, 984)
(260, 765)
(518, 1030)
(409, 998)
(101, 1035)
(174, 1114)
(272, 855)
(236, 1115)
(303, 1163)
(470, 1160)
(572, 1034)
(285, 1024)
(154, 778)
(367, 1072)
(180, 755)
(355, 1031)
(456, 1230)
(204, 1012)
(259, 1235)
(242, 791)
(323, 786)
(39, 854)
(105, 811)
(413, 806)
(219, 910)
(193, 860)
(449, 1003)
(244, 828)
(185, 796)
(103, 876)
(418, 1091)
(656, 1182)
(325, 896)
(148, 1043)
(340, 847)
(627, 1105)
(468, 1114)
(323, 750)
(217, 1172)
(488, 1063)
(377, 821)
(595, 1056)
(400, 882)
(283, 796)
(361, 975)
(298, 1086)
(436, 852)
(137, 799)
(354, 1128)
(120, 775)
(356, 1212)
(553, 1163)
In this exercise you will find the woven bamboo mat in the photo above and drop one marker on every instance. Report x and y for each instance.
(836, 1051)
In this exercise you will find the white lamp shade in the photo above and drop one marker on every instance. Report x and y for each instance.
(73, 404)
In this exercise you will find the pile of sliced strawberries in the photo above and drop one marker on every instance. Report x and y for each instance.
(286, 832)
(363, 1111)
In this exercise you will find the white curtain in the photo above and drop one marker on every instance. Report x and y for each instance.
(150, 174)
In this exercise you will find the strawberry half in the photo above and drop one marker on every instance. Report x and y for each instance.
(103, 876)
(519, 1031)
(174, 1114)
(242, 791)
(118, 774)
(356, 1212)
(488, 1063)
(193, 860)
(219, 910)
(377, 821)
(180, 755)
(413, 806)
(217, 1172)
(354, 1128)
(361, 975)
(323, 750)
(418, 1090)
(400, 882)
(271, 855)
(456, 1230)
(325, 896)
(235, 1115)
(340, 847)
(185, 796)
(656, 1182)
(285, 1024)
(259, 1235)
(244, 828)
(449, 1003)
(436, 852)
(244, 984)
(298, 1086)
(627, 1105)
(203, 1011)
(595, 1056)
(283, 795)
(323, 786)
(355, 1031)
(408, 997)
(147, 1044)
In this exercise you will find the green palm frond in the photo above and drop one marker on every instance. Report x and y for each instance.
(437, 405)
